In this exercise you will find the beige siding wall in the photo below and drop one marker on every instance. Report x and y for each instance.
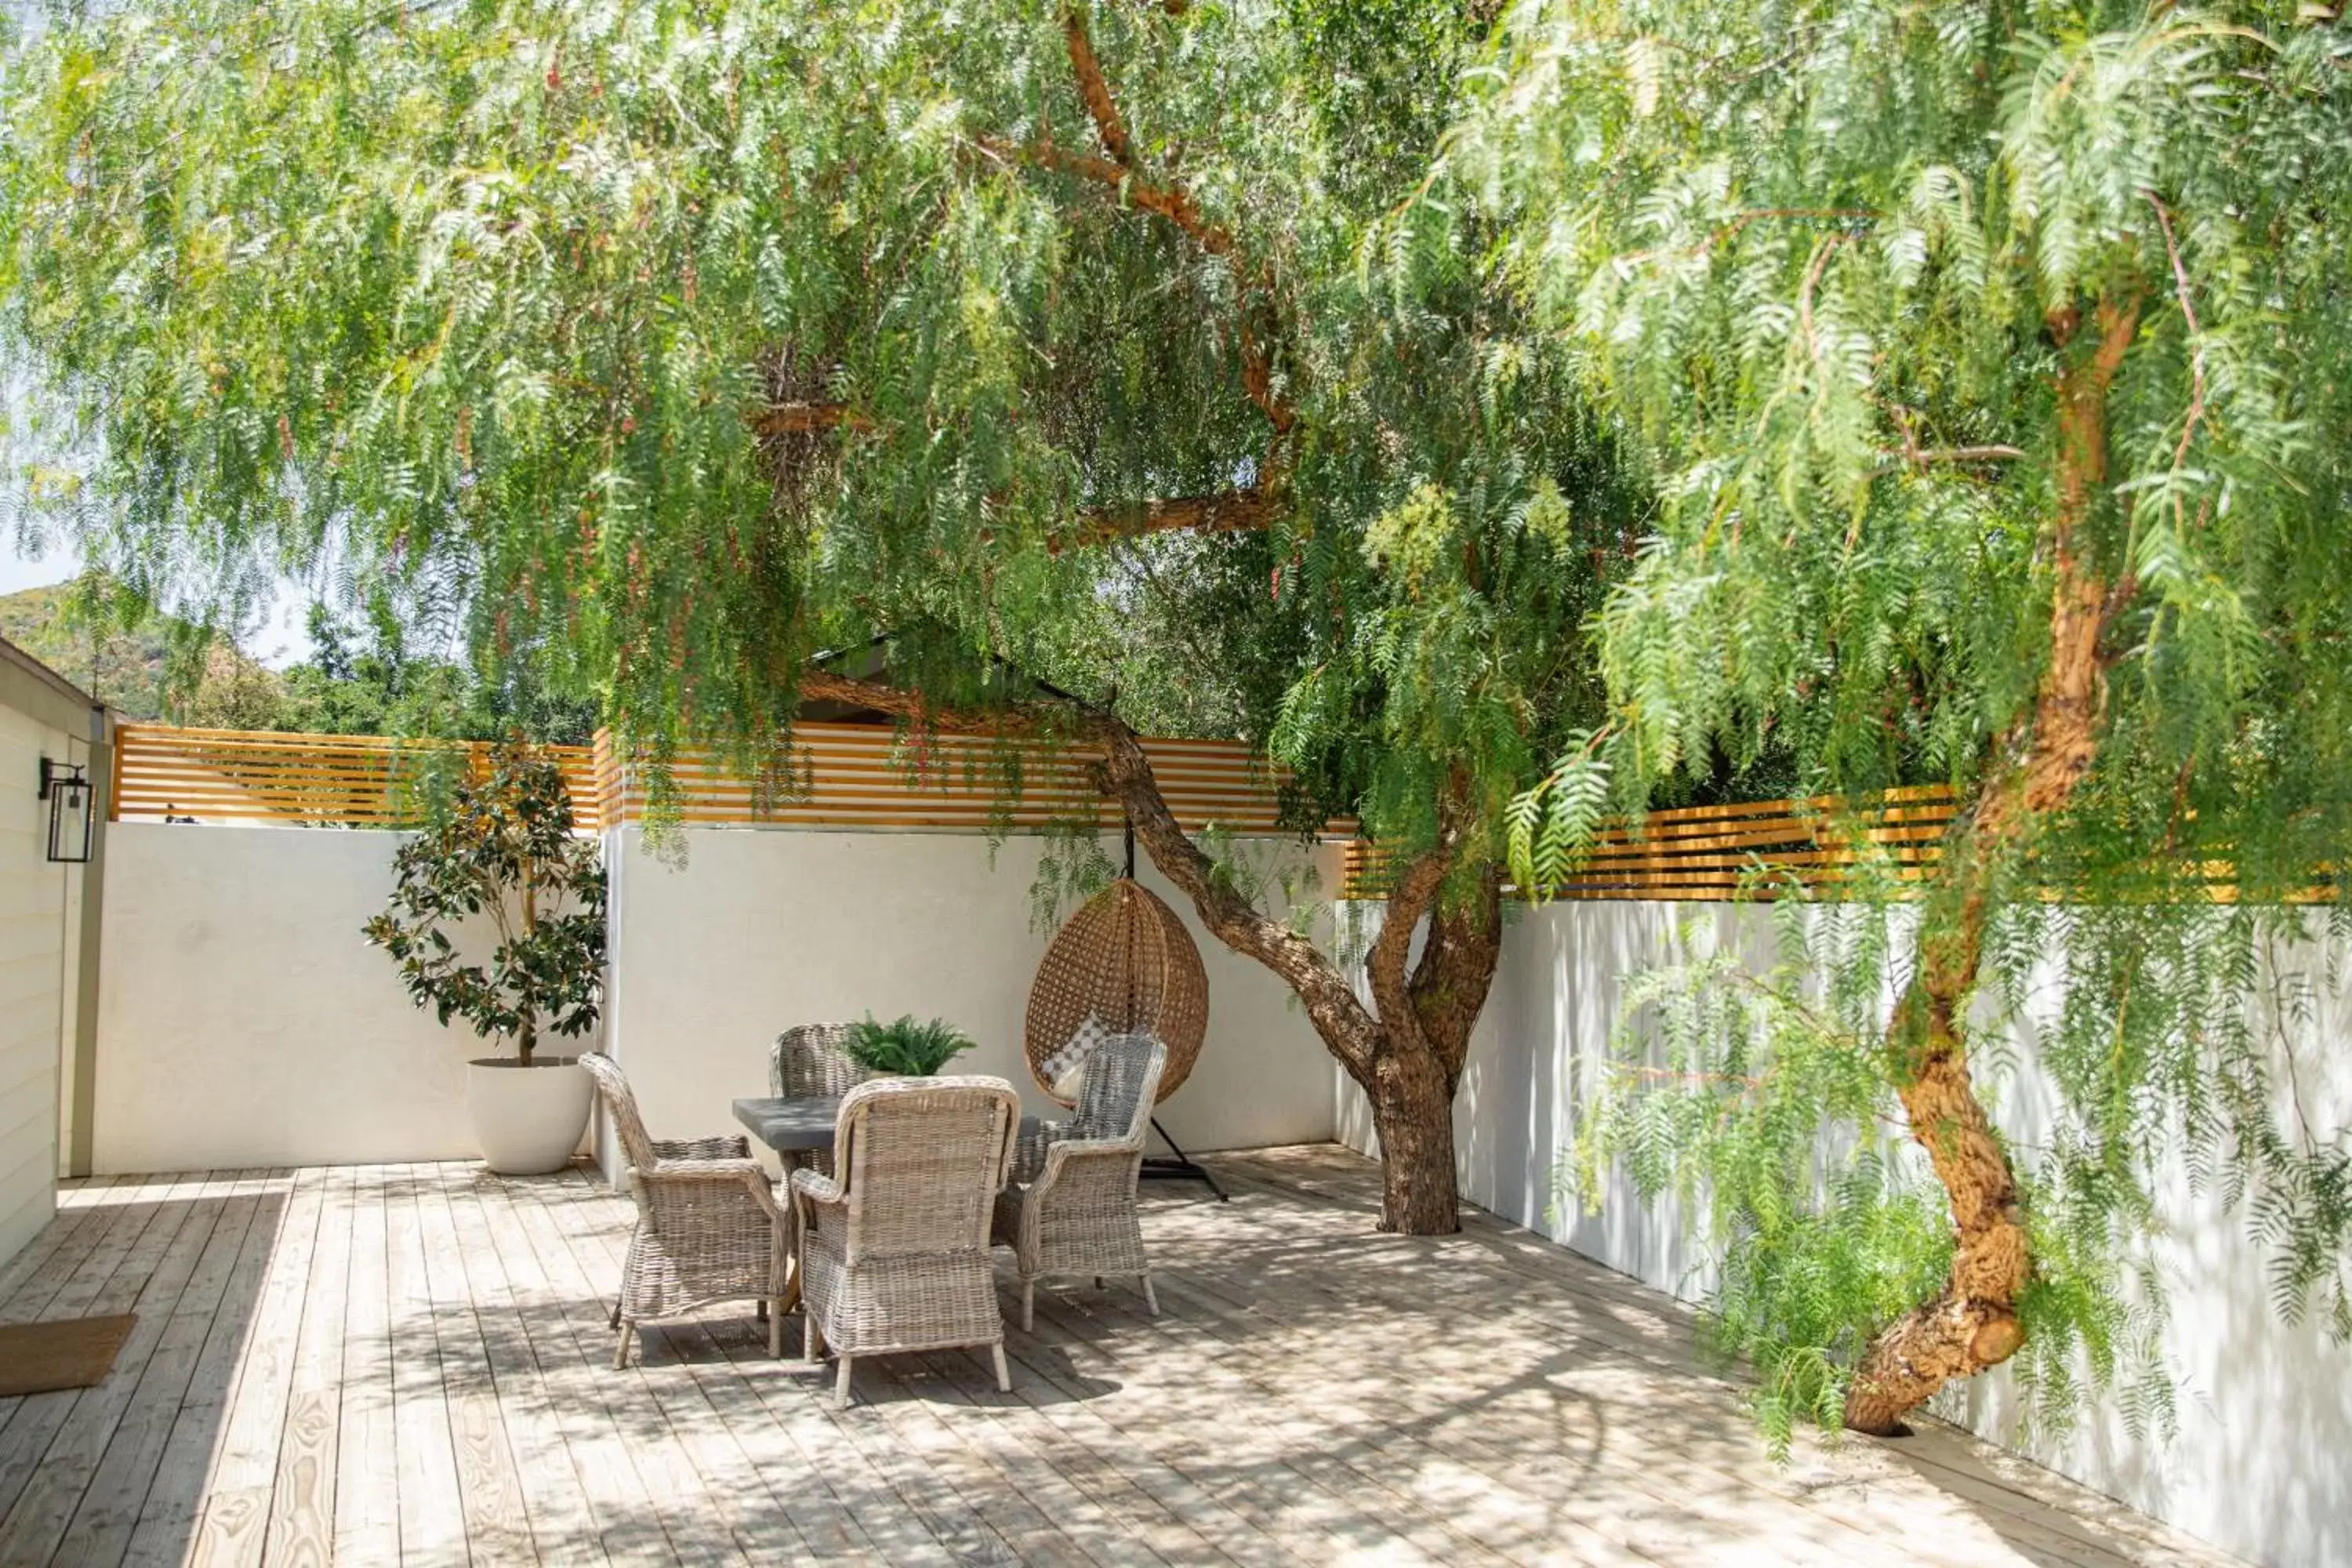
(40, 921)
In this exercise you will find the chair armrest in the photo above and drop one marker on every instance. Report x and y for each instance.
(1074, 1150)
(815, 1187)
(747, 1172)
(719, 1148)
(1029, 1151)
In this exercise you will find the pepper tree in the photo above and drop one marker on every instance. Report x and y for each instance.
(683, 341)
(1995, 363)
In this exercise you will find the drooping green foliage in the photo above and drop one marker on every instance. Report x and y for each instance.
(503, 854)
(904, 1046)
(677, 342)
(1995, 365)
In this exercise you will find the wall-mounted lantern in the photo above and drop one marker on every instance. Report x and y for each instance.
(66, 786)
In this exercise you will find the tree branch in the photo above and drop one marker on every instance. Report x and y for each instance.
(1456, 971)
(1410, 896)
(1972, 1323)
(1169, 199)
(1233, 511)
(794, 418)
(1925, 457)
(1094, 90)
(1171, 202)
(1349, 1030)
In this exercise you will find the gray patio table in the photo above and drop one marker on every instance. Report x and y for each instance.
(799, 1125)
(796, 1124)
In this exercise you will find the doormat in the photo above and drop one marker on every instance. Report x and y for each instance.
(36, 1358)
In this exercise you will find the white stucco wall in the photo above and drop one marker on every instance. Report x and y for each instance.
(244, 1022)
(759, 929)
(242, 1019)
(40, 913)
(2262, 1463)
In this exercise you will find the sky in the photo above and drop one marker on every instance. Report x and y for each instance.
(283, 638)
(281, 641)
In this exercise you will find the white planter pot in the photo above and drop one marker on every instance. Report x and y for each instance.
(528, 1120)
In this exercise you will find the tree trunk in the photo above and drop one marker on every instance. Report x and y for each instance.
(1972, 1323)
(1412, 1113)
(1406, 1049)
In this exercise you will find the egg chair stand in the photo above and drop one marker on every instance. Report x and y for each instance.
(1123, 963)
(1177, 1166)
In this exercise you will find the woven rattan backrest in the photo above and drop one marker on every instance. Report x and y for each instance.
(1126, 961)
(811, 1059)
(622, 1107)
(1118, 1085)
(922, 1160)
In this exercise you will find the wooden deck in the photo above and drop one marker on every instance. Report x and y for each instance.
(410, 1364)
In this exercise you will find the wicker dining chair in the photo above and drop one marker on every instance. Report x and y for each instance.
(814, 1059)
(709, 1227)
(894, 1246)
(1071, 1208)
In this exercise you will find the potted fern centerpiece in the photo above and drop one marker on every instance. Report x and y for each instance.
(903, 1047)
(502, 869)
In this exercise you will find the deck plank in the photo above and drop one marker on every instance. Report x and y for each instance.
(233, 1525)
(231, 1285)
(433, 1520)
(498, 1527)
(367, 1465)
(99, 1533)
(562, 1524)
(411, 1363)
(692, 1519)
(301, 1528)
(147, 1282)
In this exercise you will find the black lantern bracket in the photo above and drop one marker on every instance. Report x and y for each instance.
(66, 786)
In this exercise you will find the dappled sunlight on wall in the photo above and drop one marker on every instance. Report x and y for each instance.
(2260, 1463)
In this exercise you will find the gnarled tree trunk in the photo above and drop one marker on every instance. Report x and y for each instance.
(1972, 1323)
(1412, 1113)
(1405, 1049)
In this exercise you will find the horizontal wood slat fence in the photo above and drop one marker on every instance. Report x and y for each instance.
(840, 776)
(868, 776)
(164, 773)
(1714, 852)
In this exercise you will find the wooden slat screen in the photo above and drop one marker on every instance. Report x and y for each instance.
(1709, 851)
(166, 773)
(868, 776)
(841, 776)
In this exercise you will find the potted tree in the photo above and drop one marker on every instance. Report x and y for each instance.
(503, 861)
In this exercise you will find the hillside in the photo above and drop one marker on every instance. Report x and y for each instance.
(125, 670)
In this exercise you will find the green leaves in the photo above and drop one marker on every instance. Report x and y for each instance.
(1552, 826)
(1764, 1112)
(653, 349)
(503, 854)
(1847, 273)
(903, 1047)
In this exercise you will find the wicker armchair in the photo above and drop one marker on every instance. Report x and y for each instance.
(811, 1059)
(708, 1226)
(1071, 1208)
(894, 1250)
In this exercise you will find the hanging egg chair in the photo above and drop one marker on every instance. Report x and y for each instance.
(1123, 965)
